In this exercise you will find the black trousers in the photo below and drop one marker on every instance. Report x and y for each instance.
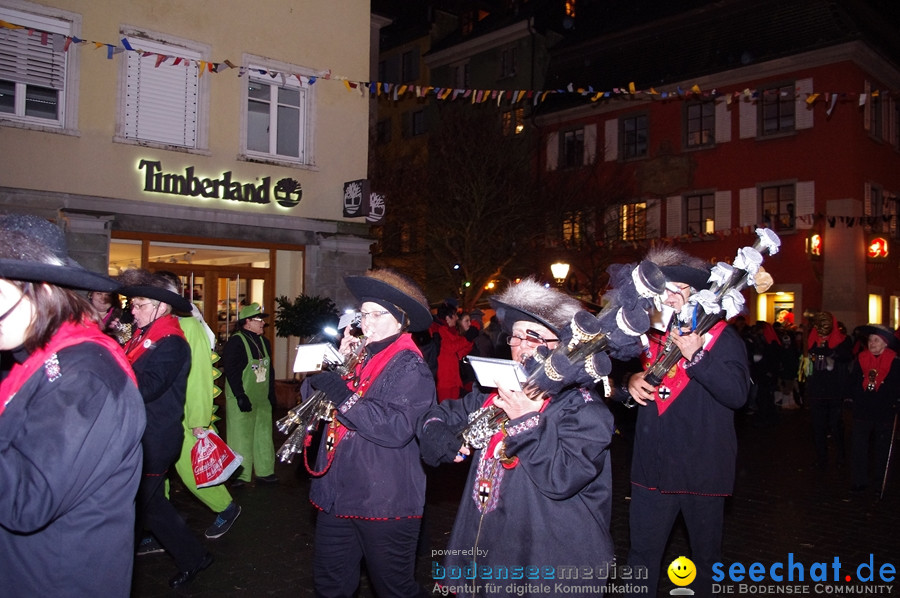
(827, 416)
(651, 517)
(158, 516)
(863, 430)
(388, 547)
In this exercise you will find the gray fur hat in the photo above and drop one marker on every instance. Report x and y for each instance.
(531, 301)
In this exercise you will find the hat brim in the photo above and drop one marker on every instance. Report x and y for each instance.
(70, 275)
(509, 315)
(892, 341)
(698, 279)
(366, 286)
(178, 303)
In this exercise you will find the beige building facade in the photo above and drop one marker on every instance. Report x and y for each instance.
(215, 140)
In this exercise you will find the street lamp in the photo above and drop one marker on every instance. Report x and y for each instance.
(560, 271)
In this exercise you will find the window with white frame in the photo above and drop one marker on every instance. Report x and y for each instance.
(162, 93)
(701, 213)
(633, 136)
(699, 124)
(572, 150)
(34, 68)
(633, 222)
(278, 114)
(777, 107)
(779, 206)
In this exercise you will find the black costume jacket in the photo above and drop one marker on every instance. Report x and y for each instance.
(545, 516)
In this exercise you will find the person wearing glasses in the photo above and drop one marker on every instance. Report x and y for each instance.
(249, 397)
(369, 483)
(161, 359)
(71, 420)
(538, 496)
(684, 442)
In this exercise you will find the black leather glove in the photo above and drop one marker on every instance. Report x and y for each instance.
(243, 402)
(331, 383)
(438, 444)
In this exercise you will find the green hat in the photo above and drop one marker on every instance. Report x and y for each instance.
(254, 310)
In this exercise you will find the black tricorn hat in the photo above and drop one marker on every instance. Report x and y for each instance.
(884, 332)
(21, 233)
(696, 277)
(178, 303)
(385, 285)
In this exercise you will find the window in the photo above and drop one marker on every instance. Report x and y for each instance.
(572, 148)
(779, 205)
(513, 121)
(161, 93)
(278, 117)
(880, 210)
(460, 75)
(383, 131)
(777, 106)
(633, 222)
(34, 69)
(409, 66)
(876, 121)
(700, 123)
(701, 214)
(414, 123)
(633, 132)
(508, 59)
(572, 228)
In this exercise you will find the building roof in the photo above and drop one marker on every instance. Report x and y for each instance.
(716, 37)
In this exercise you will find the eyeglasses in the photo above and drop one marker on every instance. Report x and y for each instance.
(676, 289)
(532, 339)
(140, 306)
(372, 314)
(257, 320)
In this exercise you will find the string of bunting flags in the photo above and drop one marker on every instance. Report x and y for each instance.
(396, 91)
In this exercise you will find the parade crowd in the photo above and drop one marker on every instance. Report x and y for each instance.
(100, 404)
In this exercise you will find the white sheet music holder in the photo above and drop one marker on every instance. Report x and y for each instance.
(311, 358)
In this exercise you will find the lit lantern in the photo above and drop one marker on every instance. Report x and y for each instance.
(877, 248)
(815, 244)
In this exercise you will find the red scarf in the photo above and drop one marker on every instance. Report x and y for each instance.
(150, 335)
(491, 450)
(834, 338)
(69, 334)
(676, 378)
(366, 373)
(880, 365)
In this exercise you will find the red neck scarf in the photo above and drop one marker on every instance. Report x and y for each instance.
(68, 334)
(834, 337)
(875, 368)
(676, 378)
(150, 335)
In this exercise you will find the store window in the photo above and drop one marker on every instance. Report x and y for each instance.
(278, 114)
(35, 69)
(161, 93)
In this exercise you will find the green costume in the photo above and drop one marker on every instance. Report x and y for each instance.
(248, 370)
(198, 412)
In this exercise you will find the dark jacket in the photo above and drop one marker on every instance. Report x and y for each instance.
(70, 463)
(376, 472)
(162, 379)
(830, 370)
(875, 405)
(552, 510)
(692, 446)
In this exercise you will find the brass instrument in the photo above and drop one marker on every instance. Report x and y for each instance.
(303, 419)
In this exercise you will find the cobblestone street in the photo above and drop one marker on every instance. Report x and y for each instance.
(782, 505)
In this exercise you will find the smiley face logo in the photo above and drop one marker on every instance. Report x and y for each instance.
(682, 571)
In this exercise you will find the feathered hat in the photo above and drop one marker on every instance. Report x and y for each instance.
(395, 292)
(531, 301)
(679, 266)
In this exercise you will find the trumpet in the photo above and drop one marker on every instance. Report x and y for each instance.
(303, 420)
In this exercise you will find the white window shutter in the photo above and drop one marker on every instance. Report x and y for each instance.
(161, 103)
(867, 199)
(653, 209)
(806, 204)
(749, 210)
(803, 115)
(26, 58)
(553, 150)
(723, 210)
(723, 122)
(747, 117)
(611, 140)
(590, 144)
(891, 107)
(674, 221)
(867, 107)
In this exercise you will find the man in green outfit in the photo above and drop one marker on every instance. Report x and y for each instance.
(249, 395)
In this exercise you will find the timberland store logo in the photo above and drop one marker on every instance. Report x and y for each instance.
(286, 192)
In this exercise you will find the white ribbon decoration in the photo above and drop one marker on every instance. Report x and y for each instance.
(768, 240)
(732, 303)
